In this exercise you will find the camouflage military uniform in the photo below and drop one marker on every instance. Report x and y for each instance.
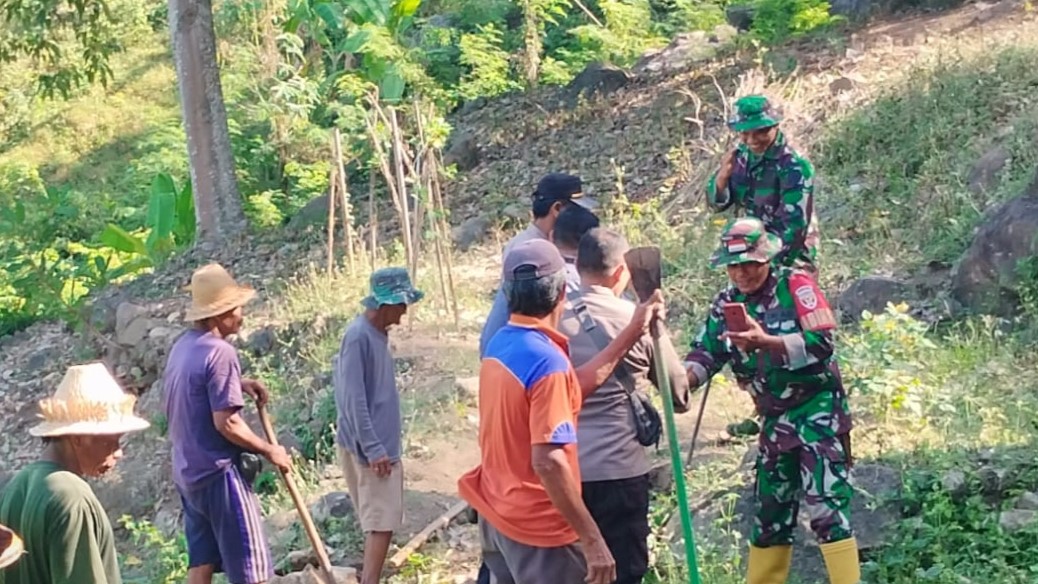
(797, 392)
(776, 187)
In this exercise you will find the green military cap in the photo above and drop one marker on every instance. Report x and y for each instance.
(745, 240)
(754, 112)
(391, 286)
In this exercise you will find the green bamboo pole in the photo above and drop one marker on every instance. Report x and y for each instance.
(675, 457)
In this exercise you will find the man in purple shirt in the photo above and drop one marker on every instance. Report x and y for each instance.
(203, 399)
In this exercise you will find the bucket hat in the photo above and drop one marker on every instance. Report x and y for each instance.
(391, 286)
(88, 401)
(754, 112)
(214, 292)
(744, 241)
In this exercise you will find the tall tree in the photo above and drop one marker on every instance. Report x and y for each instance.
(218, 207)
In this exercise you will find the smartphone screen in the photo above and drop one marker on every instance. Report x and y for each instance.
(735, 317)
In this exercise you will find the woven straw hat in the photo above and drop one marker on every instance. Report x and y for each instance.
(88, 401)
(11, 546)
(214, 292)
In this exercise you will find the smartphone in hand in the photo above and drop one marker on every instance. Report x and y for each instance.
(736, 319)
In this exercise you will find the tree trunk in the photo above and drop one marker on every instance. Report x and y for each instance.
(218, 208)
(532, 40)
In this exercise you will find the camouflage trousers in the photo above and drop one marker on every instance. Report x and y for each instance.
(819, 473)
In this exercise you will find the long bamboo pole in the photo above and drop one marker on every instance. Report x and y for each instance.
(347, 210)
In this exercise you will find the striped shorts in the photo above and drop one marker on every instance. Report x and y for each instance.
(224, 528)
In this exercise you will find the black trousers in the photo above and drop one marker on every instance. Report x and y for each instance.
(621, 510)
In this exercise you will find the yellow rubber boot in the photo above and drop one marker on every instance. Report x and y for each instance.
(769, 565)
(841, 561)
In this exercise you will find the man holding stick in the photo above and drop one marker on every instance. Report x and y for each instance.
(204, 396)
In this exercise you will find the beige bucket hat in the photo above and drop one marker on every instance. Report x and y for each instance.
(214, 292)
(11, 546)
(88, 401)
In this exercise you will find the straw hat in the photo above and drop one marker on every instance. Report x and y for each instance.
(214, 292)
(11, 546)
(88, 401)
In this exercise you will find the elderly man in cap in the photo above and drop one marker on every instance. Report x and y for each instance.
(556, 193)
(765, 176)
(534, 526)
(369, 420)
(204, 392)
(774, 328)
(66, 532)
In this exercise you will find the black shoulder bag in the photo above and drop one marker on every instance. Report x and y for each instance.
(647, 422)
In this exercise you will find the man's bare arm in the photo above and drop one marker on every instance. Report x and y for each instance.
(595, 372)
(552, 467)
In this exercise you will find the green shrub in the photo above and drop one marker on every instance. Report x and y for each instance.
(776, 20)
(489, 66)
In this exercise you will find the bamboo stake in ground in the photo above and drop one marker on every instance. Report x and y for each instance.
(347, 210)
(441, 218)
(405, 211)
(372, 219)
(331, 219)
(423, 536)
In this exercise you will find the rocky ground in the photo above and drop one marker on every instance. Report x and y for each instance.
(653, 123)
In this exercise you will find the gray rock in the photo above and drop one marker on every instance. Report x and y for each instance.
(597, 79)
(468, 387)
(723, 34)
(131, 324)
(843, 85)
(993, 480)
(333, 505)
(463, 151)
(661, 477)
(954, 483)
(311, 575)
(1028, 501)
(684, 50)
(871, 293)
(851, 9)
(262, 341)
(1016, 519)
(987, 276)
(313, 213)
(298, 560)
(472, 231)
(740, 16)
(985, 173)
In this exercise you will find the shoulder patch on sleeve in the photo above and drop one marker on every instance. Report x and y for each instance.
(812, 308)
(564, 433)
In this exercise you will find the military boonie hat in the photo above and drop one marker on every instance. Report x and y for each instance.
(744, 241)
(532, 259)
(391, 286)
(754, 112)
(559, 186)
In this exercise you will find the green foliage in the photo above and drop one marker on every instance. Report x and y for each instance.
(1027, 289)
(776, 20)
(489, 64)
(155, 559)
(628, 33)
(171, 224)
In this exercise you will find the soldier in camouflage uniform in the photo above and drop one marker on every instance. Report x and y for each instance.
(766, 177)
(786, 362)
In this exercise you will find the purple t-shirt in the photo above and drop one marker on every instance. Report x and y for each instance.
(202, 376)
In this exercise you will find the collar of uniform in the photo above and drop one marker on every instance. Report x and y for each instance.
(597, 290)
(541, 324)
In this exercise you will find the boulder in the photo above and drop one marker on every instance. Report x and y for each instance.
(262, 342)
(954, 483)
(332, 505)
(740, 16)
(468, 387)
(1028, 501)
(597, 79)
(723, 34)
(471, 231)
(987, 276)
(313, 213)
(686, 48)
(131, 324)
(1016, 519)
(871, 293)
(463, 151)
(985, 172)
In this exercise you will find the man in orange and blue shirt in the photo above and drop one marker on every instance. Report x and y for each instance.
(534, 526)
